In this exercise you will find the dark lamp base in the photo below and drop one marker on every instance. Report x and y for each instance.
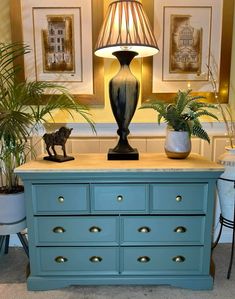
(58, 158)
(133, 155)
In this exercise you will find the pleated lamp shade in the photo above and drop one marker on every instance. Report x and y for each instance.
(126, 28)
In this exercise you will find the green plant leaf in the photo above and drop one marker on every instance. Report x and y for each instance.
(198, 131)
(23, 107)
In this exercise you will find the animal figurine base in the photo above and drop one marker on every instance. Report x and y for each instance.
(58, 158)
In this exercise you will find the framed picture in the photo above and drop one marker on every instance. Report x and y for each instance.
(62, 35)
(186, 46)
(191, 34)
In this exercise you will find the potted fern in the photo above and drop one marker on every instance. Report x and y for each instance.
(22, 109)
(182, 118)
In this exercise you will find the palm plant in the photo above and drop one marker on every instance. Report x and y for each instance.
(184, 113)
(22, 109)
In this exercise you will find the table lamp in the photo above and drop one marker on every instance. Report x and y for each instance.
(125, 34)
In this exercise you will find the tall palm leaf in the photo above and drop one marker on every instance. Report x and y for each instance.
(23, 107)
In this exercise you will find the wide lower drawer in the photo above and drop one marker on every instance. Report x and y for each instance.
(79, 230)
(179, 198)
(151, 230)
(162, 260)
(77, 261)
(60, 198)
(107, 260)
(119, 198)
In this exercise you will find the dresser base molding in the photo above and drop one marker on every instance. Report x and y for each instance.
(37, 283)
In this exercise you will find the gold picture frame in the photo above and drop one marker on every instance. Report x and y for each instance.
(95, 97)
(225, 61)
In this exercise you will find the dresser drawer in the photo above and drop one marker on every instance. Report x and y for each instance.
(179, 198)
(173, 230)
(60, 198)
(162, 260)
(119, 198)
(76, 230)
(77, 261)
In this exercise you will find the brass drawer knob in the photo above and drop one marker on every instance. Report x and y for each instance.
(60, 199)
(143, 259)
(95, 229)
(96, 259)
(178, 259)
(61, 259)
(180, 229)
(58, 230)
(144, 229)
(120, 198)
(178, 198)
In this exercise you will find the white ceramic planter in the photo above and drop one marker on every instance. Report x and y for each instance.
(177, 144)
(12, 213)
(226, 189)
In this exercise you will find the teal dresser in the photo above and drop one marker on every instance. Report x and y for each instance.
(92, 221)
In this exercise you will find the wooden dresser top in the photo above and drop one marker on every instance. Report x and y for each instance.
(98, 163)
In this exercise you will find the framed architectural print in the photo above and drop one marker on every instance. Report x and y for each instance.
(192, 35)
(61, 35)
(186, 45)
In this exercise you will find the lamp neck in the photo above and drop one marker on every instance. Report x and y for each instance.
(125, 57)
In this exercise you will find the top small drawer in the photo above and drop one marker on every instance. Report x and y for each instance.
(179, 198)
(60, 199)
(119, 198)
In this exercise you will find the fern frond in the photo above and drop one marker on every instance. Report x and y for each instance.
(198, 131)
(181, 101)
(199, 105)
(160, 107)
(156, 105)
(195, 98)
(205, 113)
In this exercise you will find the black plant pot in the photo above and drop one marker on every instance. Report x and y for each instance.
(124, 94)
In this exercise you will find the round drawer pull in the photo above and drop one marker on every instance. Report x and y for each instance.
(178, 198)
(144, 229)
(95, 229)
(96, 259)
(58, 230)
(178, 259)
(143, 259)
(180, 229)
(120, 198)
(61, 259)
(60, 199)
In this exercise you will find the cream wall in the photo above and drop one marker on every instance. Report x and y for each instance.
(104, 114)
(5, 29)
